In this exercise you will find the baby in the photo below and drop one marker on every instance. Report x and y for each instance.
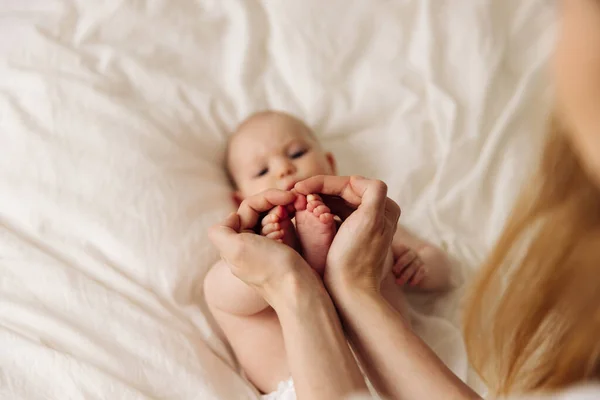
(275, 150)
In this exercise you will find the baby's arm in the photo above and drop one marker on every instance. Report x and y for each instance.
(420, 264)
(225, 292)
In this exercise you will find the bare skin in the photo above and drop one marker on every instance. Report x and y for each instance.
(274, 150)
(407, 368)
(314, 231)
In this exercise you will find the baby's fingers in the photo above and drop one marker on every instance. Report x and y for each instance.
(407, 258)
(407, 273)
(419, 275)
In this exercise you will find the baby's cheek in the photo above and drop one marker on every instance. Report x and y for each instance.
(320, 167)
(257, 187)
(247, 190)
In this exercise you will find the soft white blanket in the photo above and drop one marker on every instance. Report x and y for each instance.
(113, 115)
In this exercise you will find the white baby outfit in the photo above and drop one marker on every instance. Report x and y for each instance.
(285, 391)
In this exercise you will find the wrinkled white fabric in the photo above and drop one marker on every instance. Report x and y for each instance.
(113, 118)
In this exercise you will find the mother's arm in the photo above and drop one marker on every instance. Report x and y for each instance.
(321, 363)
(406, 367)
(320, 360)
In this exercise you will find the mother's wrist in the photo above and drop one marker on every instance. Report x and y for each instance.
(345, 289)
(297, 292)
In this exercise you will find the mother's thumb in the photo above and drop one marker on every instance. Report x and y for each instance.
(222, 233)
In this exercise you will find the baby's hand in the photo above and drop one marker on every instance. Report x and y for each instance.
(277, 225)
(409, 269)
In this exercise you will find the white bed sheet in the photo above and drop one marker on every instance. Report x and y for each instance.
(113, 116)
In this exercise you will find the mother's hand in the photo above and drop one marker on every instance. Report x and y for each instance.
(359, 250)
(264, 264)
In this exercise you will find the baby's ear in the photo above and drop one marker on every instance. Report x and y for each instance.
(331, 161)
(237, 198)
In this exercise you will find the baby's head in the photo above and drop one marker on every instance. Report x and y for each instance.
(273, 150)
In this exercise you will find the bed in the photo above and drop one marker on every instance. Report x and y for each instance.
(113, 119)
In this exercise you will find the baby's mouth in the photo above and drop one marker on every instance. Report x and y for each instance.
(290, 185)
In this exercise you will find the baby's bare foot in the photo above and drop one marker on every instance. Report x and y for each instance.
(316, 229)
(277, 225)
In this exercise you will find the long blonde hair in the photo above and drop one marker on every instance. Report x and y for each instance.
(532, 322)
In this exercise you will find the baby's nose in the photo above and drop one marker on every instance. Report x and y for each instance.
(285, 168)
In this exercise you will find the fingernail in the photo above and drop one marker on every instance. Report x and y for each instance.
(311, 197)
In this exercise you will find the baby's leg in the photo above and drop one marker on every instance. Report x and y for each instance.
(316, 229)
(277, 225)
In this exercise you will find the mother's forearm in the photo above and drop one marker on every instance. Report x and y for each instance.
(320, 360)
(407, 368)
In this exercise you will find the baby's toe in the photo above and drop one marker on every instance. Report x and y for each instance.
(314, 202)
(314, 197)
(326, 218)
(300, 204)
(270, 228)
(320, 210)
(270, 219)
(281, 212)
(277, 235)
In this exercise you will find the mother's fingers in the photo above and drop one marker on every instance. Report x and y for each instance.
(355, 190)
(253, 206)
(338, 206)
(222, 233)
(392, 211)
(329, 185)
(234, 243)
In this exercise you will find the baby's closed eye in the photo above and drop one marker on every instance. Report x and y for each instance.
(297, 154)
(262, 172)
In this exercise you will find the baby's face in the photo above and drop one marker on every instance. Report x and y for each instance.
(275, 152)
